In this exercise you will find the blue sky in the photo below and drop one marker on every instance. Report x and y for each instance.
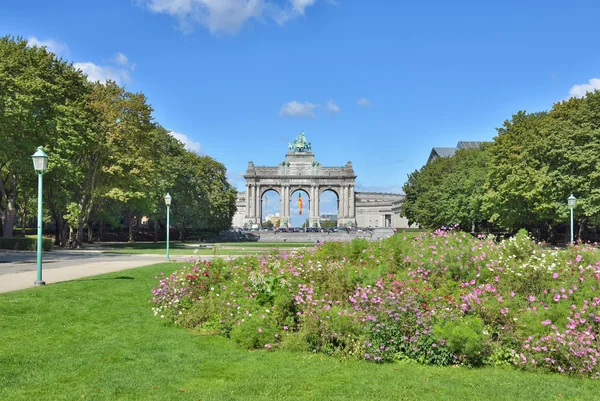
(378, 82)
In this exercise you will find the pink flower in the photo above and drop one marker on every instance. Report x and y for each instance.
(512, 294)
(259, 330)
(531, 298)
(555, 275)
(267, 345)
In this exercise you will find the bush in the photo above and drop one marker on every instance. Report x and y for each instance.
(439, 298)
(25, 243)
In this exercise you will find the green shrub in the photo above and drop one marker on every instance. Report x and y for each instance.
(465, 337)
(255, 332)
(25, 243)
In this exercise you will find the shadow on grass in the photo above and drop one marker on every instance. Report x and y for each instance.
(106, 278)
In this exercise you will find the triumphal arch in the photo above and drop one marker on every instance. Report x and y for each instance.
(300, 171)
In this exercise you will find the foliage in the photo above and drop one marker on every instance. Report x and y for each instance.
(521, 180)
(109, 160)
(440, 298)
(25, 243)
(448, 191)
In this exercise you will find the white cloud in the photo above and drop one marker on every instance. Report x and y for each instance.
(226, 16)
(332, 108)
(50, 44)
(581, 90)
(100, 73)
(189, 143)
(364, 102)
(121, 59)
(103, 73)
(300, 5)
(296, 109)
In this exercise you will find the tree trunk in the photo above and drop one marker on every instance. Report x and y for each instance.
(10, 215)
(57, 235)
(79, 237)
(90, 228)
(181, 231)
(132, 222)
(100, 230)
(65, 234)
(156, 231)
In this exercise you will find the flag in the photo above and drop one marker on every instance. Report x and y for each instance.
(300, 203)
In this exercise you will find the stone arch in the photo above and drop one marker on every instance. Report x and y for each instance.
(264, 208)
(292, 190)
(335, 190)
(264, 190)
(324, 198)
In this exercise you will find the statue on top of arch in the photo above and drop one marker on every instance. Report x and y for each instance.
(300, 144)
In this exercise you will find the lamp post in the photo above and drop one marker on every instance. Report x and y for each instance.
(571, 200)
(40, 165)
(168, 203)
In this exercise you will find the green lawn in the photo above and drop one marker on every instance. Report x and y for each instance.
(96, 339)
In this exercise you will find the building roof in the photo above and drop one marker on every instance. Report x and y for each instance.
(469, 145)
(447, 152)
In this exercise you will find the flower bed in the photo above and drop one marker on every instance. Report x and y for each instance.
(442, 298)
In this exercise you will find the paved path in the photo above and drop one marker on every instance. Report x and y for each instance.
(18, 270)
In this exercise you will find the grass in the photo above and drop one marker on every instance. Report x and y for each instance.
(96, 339)
(191, 249)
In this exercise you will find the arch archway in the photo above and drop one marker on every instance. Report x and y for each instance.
(270, 208)
(299, 217)
(329, 208)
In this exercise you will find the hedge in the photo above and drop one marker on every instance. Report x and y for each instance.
(25, 243)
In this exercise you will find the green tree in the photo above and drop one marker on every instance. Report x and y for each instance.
(38, 91)
(518, 181)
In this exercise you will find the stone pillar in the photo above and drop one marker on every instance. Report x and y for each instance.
(258, 213)
(251, 202)
(318, 206)
(311, 214)
(352, 196)
(345, 203)
(247, 203)
(281, 211)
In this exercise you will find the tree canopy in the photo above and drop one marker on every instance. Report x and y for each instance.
(522, 179)
(110, 161)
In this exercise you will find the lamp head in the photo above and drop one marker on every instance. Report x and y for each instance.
(571, 200)
(40, 160)
(167, 199)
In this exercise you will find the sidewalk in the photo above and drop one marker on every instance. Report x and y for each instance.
(18, 281)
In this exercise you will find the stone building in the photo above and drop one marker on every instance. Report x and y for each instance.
(301, 171)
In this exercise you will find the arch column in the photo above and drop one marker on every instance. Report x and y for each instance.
(352, 198)
(285, 206)
(258, 211)
(318, 205)
(346, 190)
(248, 212)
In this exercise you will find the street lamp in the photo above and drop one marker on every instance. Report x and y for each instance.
(571, 200)
(40, 165)
(168, 203)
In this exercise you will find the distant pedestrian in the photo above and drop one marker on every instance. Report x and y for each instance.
(71, 241)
